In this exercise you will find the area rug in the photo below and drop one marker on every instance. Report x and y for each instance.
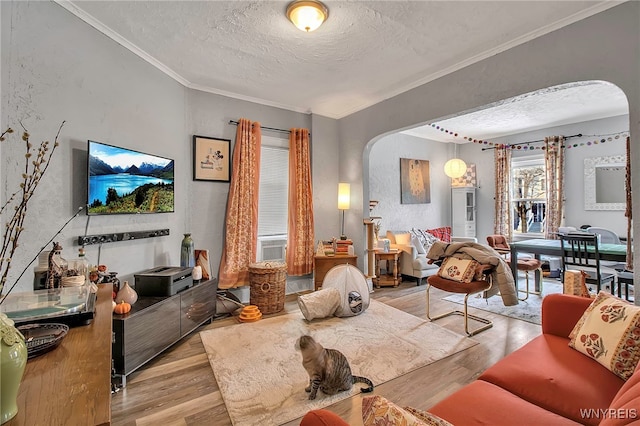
(529, 310)
(260, 373)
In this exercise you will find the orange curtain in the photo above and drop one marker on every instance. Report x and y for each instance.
(554, 169)
(502, 224)
(241, 230)
(300, 247)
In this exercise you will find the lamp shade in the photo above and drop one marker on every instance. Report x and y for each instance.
(455, 168)
(307, 15)
(344, 196)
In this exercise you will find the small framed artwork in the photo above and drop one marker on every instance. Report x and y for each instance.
(211, 159)
(414, 181)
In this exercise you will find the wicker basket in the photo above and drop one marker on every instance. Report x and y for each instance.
(268, 284)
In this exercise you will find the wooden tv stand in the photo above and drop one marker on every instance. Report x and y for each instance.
(156, 323)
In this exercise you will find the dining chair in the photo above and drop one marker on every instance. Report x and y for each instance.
(623, 277)
(525, 262)
(581, 252)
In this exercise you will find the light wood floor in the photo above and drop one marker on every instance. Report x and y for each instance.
(178, 387)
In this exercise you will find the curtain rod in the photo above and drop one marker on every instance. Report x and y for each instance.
(273, 129)
(579, 135)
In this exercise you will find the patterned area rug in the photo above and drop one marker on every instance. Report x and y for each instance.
(528, 310)
(261, 377)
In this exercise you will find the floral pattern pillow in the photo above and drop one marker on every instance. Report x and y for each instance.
(378, 411)
(609, 332)
(427, 417)
(461, 270)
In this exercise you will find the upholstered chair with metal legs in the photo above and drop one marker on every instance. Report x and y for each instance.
(525, 263)
(473, 287)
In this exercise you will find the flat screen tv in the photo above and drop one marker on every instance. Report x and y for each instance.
(125, 181)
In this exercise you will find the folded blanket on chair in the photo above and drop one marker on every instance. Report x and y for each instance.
(501, 275)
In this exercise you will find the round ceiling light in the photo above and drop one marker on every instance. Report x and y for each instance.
(307, 15)
(455, 168)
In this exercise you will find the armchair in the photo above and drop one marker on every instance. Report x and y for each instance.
(413, 257)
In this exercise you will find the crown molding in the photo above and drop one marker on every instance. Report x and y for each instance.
(104, 29)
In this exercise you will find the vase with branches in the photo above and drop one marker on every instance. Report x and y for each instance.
(36, 163)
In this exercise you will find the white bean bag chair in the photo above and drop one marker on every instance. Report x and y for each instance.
(353, 288)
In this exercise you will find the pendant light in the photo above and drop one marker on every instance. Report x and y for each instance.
(455, 167)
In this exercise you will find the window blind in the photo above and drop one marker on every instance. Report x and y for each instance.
(274, 190)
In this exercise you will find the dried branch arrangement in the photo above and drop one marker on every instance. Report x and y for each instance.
(36, 162)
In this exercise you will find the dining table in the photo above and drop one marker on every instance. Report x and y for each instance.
(541, 246)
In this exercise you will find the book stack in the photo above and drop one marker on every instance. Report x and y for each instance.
(342, 246)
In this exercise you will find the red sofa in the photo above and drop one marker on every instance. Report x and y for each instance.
(546, 382)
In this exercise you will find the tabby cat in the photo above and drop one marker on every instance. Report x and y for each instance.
(328, 369)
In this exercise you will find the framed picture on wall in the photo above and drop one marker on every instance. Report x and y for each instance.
(211, 159)
(414, 181)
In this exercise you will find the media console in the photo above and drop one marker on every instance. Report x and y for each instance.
(156, 323)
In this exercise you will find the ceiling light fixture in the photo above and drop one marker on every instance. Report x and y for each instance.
(307, 15)
(455, 167)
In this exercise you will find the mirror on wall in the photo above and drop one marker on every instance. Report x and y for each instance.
(604, 183)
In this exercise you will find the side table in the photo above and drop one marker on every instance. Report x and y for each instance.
(391, 276)
(322, 264)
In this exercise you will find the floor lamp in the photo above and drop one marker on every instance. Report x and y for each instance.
(344, 202)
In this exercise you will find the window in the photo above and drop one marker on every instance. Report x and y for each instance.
(273, 203)
(528, 195)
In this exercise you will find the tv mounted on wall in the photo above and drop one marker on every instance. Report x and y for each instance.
(124, 181)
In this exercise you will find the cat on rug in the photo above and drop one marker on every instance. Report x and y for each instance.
(328, 369)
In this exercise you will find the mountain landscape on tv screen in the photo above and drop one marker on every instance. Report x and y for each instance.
(146, 187)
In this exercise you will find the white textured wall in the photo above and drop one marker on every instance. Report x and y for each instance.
(324, 146)
(57, 68)
(605, 46)
(384, 183)
(209, 115)
(384, 177)
(575, 214)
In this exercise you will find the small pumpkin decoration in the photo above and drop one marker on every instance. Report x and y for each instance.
(122, 308)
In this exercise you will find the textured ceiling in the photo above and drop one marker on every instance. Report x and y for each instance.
(366, 52)
(554, 106)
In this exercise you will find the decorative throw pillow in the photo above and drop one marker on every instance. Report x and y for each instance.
(609, 332)
(461, 270)
(427, 417)
(417, 233)
(425, 238)
(575, 284)
(378, 411)
(430, 239)
(443, 233)
(403, 238)
(418, 245)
